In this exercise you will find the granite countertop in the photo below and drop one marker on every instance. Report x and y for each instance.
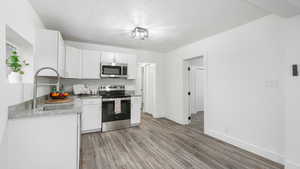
(132, 93)
(89, 97)
(24, 110)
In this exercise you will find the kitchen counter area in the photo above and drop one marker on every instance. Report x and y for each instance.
(48, 132)
(58, 127)
(25, 110)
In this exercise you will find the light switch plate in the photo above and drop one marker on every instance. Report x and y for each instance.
(295, 71)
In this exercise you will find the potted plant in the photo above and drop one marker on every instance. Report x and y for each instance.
(15, 64)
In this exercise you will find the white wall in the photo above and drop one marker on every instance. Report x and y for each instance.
(196, 61)
(20, 16)
(292, 93)
(4, 152)
(142, 57)
(245, 102)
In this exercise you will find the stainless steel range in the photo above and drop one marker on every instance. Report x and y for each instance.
(116, 107)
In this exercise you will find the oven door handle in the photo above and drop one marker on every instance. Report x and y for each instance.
(113, 99)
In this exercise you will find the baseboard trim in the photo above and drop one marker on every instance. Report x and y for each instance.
(291, 165)
(176, 121)
(90, 131)
(158, 116)
(247, 146)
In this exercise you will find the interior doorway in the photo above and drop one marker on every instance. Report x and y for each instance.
(195, 80)
(146, 87)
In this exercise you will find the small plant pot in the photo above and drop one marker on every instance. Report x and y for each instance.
(15, 77)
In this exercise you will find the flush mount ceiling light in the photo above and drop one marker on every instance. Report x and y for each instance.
(140, 33)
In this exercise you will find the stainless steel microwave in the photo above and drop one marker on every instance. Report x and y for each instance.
(114, 70)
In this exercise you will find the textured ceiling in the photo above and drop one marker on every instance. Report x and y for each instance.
(171, 23)
(284, 8)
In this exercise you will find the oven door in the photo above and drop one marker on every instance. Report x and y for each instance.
(115, 117)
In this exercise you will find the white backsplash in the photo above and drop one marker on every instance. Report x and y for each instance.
(129, 84)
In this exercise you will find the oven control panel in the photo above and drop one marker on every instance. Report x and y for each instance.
(112, 87)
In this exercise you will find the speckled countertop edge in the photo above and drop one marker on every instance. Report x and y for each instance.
(24, 110)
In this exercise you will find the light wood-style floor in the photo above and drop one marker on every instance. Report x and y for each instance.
(163, 144)
(197, 121)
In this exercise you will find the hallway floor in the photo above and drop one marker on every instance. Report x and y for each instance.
(163, 144)
(197, 121)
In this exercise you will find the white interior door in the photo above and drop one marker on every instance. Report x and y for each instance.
(139, 81)
(146, 89)
(149, 89)
(197, 89)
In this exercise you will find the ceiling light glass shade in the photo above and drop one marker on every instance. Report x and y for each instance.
(140, 33)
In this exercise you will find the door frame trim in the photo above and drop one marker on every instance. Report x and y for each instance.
(186, 88)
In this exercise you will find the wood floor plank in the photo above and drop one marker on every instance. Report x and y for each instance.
(163, 144)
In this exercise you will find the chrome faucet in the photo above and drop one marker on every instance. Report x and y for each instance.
(36, 84)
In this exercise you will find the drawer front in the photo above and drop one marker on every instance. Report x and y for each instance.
(91, 101)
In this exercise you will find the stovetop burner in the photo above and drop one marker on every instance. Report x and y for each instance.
(113, 91)
(114, 94)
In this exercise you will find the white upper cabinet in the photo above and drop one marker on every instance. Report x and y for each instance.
(61, 57)
(73, 62)
(121, 58)
(49, 52)
(90, 64)
(107, 57)
(132, 66)
(85, 64)
(111, 57)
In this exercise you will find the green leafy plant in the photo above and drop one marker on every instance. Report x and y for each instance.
(15, 64)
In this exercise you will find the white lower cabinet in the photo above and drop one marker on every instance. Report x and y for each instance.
(91, 115)
(136, 108)
(48, 142)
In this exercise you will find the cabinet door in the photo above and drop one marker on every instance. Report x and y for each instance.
(107, 57)
(54, 138)
(136, 103)
(132, 66)
(46, 52)
(121, 58)
(61, 56)
(73, 62)
(91, 117)
(90, 64)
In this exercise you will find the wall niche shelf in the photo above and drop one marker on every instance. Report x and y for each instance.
(14, 41)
